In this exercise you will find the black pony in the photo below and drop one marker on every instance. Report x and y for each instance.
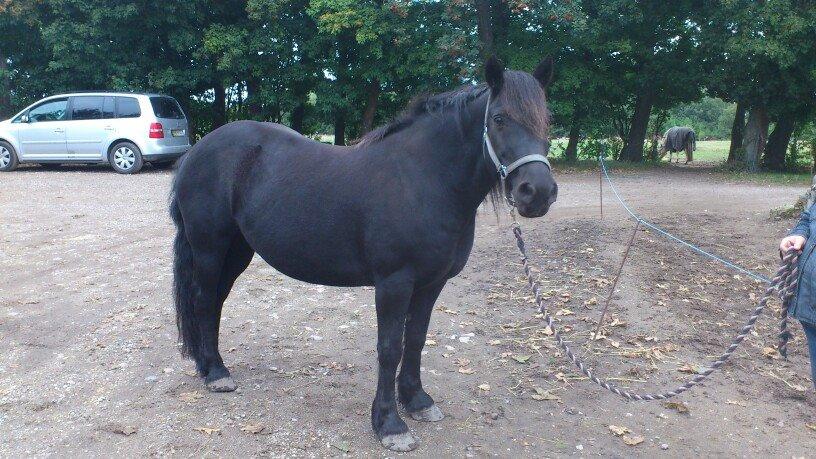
(396, 211)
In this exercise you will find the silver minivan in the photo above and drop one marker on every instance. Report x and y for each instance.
(125, 130)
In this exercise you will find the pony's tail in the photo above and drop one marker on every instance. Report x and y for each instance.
(184, 286)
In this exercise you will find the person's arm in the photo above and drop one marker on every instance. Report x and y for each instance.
(799, 234)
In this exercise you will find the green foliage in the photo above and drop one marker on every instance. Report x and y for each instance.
(322, 65)
(710, 118)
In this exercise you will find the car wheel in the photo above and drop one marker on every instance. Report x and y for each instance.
(126, 158)
(8, 157)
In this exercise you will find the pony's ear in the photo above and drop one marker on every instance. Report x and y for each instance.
(494, 73)
(544, 72)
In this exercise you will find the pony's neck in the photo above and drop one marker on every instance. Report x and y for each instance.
(453, 148)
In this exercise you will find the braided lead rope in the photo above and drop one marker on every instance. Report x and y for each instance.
(791, 281)
(783, 274)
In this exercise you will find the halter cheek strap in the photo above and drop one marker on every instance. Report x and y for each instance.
(501, 169)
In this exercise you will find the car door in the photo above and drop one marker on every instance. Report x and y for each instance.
(88, 130)
(42, 136)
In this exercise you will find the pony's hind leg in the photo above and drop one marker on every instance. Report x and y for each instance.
(238, 257)
(419, 405)
(218, 258)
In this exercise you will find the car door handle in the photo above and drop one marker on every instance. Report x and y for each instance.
(59, 130)
(108, 128)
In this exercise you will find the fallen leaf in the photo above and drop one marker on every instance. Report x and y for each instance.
(521, 358)
(342, 446)
(617, 323)
(430, 342)
(618, 430)
(811, 426)
(564, 312)
(495, 342)
(208, 430)
(466, 371)
(680, 407)
(253, 428)
(484, 387)
(190, 397)
(632, 440)
(122, 430)
(689, 368)
(736, 402)
(771, 353)
(542, 394)
(548, 331)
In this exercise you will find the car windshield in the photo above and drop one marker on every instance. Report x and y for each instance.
(166, 107)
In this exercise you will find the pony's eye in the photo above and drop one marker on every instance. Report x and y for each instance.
(498, 119)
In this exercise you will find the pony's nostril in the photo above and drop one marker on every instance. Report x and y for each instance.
(526, 189)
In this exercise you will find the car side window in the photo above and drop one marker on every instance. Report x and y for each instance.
(86, 107)
(53, 110)
(127, 107)
(109, 108)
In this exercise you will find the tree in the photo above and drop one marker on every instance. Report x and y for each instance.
(761, 55)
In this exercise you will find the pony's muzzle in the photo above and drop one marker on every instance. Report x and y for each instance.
(534, 201)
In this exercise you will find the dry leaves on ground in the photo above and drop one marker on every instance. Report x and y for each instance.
(122, 430)
(208, 430)
(541, 395)
(190, 397)
(632, 440)
(680, 407)
(618, 430)
(253, 428)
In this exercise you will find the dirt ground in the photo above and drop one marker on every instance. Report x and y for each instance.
(89, 365)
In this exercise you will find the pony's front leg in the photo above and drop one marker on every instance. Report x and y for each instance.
(393, 296)
(412, 396)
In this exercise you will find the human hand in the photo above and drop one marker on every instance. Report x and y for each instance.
(792, 242)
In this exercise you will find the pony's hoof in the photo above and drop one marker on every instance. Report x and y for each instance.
(430, 414)
(403, 442)
(225, 384)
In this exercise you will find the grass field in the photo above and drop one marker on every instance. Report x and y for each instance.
(709, 151)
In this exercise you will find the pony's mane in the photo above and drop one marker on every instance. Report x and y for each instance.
(422, 105)
(521, 95)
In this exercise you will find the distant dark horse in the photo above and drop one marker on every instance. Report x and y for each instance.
(396, 211)
(679, 139)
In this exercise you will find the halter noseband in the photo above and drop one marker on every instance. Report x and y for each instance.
(501, 169)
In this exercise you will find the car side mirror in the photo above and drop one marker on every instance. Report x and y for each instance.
(24, 119)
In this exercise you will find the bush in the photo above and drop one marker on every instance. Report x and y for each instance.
(591, 148)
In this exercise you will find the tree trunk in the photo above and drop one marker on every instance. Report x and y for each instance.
(219, 112)
(339, 128)
(736, 154)
(756, 136)
(778, 144)
(633, 149)
(5, 89)
(254, 103)
(298, 116)
(484, 25)
(660, 120)
(373, 93)
(813, 156)
(571, 153)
